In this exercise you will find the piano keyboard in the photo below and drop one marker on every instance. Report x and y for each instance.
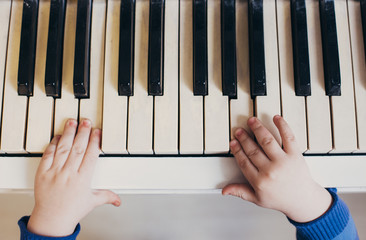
(173, 79)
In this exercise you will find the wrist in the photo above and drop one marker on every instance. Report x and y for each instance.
(50, 226)
(316, 202)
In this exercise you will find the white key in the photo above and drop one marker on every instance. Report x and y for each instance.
(293, 107)
(241, 109)
(5, 8)
(114, 106)
(166, 107)
(67, 106)
(270, 105)
(15, 107)
(140, 116)
(318, 109)
(91, 108)
(40, 110)
(343, 107)
(359, 70)
(191, 107)
(216, 105)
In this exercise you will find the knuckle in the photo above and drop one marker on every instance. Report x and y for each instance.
(243, 163)
(78, 150)
(244, 137)
(271, 176)
(266, 141)
(63, 150)
(43, 177)
(257, 127)
(253, 153)
(290, 138)
(242, 195)
(236, 149)
(48, 154)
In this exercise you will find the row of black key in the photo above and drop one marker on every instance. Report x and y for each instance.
(156, 48)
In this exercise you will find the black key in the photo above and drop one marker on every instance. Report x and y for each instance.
(200, 69)
(82, 49)
(126, 48)
(332, 75)
(363, 14)
(27, 54)
(156, 48)
(300, 48)
(256, 49)
(53, 77)
(228, 48)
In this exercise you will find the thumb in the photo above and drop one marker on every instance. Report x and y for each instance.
(107, 197)
(243, 191)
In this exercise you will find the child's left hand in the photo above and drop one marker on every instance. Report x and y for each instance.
(63, 194)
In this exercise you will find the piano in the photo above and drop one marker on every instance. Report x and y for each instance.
(168, 81)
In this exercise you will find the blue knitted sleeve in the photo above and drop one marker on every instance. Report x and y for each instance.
(26, 235)
(335, 224)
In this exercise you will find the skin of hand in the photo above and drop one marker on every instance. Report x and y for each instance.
(278, 178)
(63, 194)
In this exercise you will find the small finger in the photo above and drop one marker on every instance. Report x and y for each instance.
(79, 146)
(49, 155)
(265, 139)
(106, 197)
(287, 136)
(251, 149)
(91, 154)
(65, 143)
(244, 163)
(243, 191)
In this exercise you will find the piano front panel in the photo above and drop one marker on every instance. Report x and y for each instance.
(193, 129)
(181, 175)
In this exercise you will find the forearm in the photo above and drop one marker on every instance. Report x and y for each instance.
(336, 223)
(27, 235)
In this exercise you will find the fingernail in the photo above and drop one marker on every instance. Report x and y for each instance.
(239, 132)
(72, 122)
(97, 132)
(233, 143)
(252, 120)
(117, 203)
(86, 123)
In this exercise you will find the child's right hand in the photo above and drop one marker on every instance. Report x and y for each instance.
(278, 178)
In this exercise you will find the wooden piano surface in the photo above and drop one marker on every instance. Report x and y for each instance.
(181, 174)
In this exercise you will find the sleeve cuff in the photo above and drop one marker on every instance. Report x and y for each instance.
(327, 226)
(26, 235)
